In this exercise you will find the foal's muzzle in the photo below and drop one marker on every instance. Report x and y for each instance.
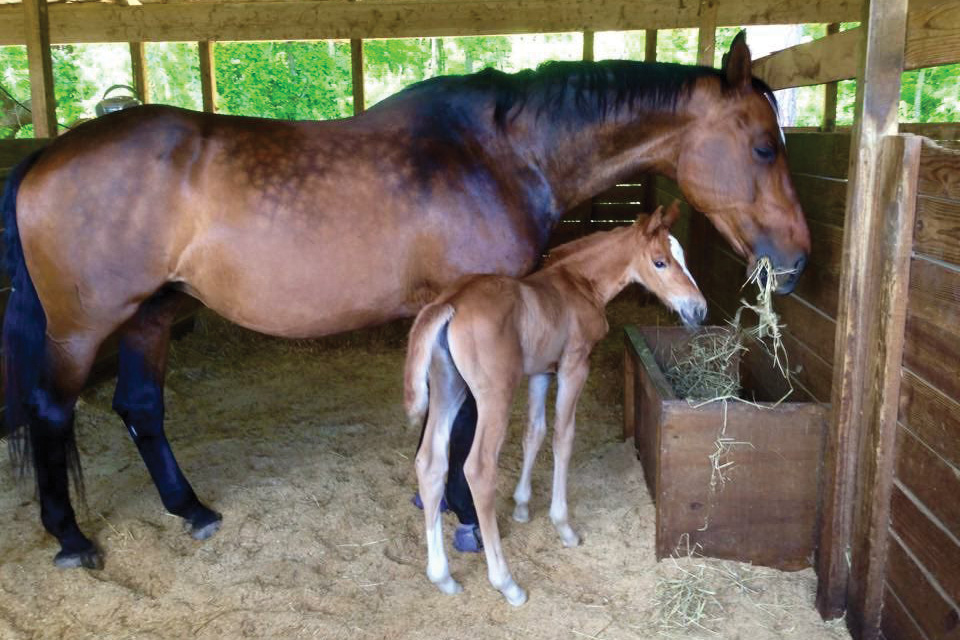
(692, 314)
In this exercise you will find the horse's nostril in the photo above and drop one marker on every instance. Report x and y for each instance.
(800, 264)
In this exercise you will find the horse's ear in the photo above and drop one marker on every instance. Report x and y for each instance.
(737, 66)
(673, 212)
(654, 221)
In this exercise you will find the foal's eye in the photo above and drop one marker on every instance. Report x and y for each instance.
(659, 264)
(764, 153)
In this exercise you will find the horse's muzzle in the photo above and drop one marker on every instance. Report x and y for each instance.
(693, 314)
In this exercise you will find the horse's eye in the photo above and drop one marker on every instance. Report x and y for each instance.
(764, 153)
(659, 264)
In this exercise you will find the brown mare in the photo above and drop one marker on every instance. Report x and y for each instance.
(486, 332)
(309, 228)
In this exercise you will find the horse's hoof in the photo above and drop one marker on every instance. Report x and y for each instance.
(88, 559)
(467, 539)
(514, 594)
(418, 503)
(449, 586)
(204, 525)
(569, 537)
(521, 513)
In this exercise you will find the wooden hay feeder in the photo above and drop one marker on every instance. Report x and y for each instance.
(759, 509)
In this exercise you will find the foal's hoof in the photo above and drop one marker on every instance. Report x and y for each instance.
(514, 594)
(467, 539)
(521, 513)
(88, 559)
(449, 586)
(204, 524)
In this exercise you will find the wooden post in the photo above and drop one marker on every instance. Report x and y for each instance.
(138, 64)
(208, 76)
(43, 103)
(830, 92)
(649, 179)
(707, 36)
(588, 45)
(356, 73)
(855, 444)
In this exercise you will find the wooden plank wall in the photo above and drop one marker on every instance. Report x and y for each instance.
(818, 164)
(922, 584)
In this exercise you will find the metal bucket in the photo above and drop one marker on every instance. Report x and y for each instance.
(117, 103)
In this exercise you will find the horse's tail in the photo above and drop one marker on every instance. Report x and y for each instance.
(24, 328)
(423, 338)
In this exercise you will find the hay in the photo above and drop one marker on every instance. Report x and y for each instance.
(706, 367)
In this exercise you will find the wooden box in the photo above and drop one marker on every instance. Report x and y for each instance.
(762, 508)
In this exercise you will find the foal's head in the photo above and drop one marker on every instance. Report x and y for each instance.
(660, 266)
(732, 166)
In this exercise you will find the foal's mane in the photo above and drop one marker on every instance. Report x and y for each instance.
(567, 249)
(580, 89)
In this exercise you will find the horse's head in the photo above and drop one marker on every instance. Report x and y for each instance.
(660, 266)
(732, 166)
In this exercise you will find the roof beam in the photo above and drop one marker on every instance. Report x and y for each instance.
(323, 19)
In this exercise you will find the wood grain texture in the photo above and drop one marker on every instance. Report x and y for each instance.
(356, 75)
(930, 479)
(932, 348)
(896, 623)
(138, 67)
(208, 76)
(707, 32)
(932, 416)
(933, 38)
(42, 101)
(819, 154)
(934, 614)
(940, 171)
(343, 19)
(937, 230)
(928, 542)
(855, 453)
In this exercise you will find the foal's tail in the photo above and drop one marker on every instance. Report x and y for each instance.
(423, 337)
(24, 327)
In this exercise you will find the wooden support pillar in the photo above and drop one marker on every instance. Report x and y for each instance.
(356, 73)
(208, 77)
(650, 45)
(138, 65)
(588, 45)
(852, 530)
(43, 104)
(830, 92)
(707, 36)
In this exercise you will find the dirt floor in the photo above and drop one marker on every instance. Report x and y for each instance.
(304, 448)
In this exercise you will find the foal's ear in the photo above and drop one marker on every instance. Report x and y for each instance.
(654, 221)
(737, 64)
(673, 212)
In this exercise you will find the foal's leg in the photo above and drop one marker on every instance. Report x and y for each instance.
(493, 408)
(533, 438)
(570, 379)
(144, 342)
(53, 445)
(447, 391)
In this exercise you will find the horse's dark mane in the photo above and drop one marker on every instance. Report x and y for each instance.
(581, 89)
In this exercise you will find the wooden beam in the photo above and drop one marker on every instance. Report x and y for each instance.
(343, 19)
(857, 359)
(650, 45)
(138, 65)
(830, 92)
(42, 101)
(356, 74)
(707, 35)
(208, 76)
(933, 38)
(588, 45)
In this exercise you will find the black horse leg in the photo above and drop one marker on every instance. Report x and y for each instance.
(144, 342)
(53, 444)
(458, 493)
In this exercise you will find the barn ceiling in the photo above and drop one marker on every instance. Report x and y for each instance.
(152, 20)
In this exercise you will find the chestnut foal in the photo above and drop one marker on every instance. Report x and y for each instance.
(487, 331)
